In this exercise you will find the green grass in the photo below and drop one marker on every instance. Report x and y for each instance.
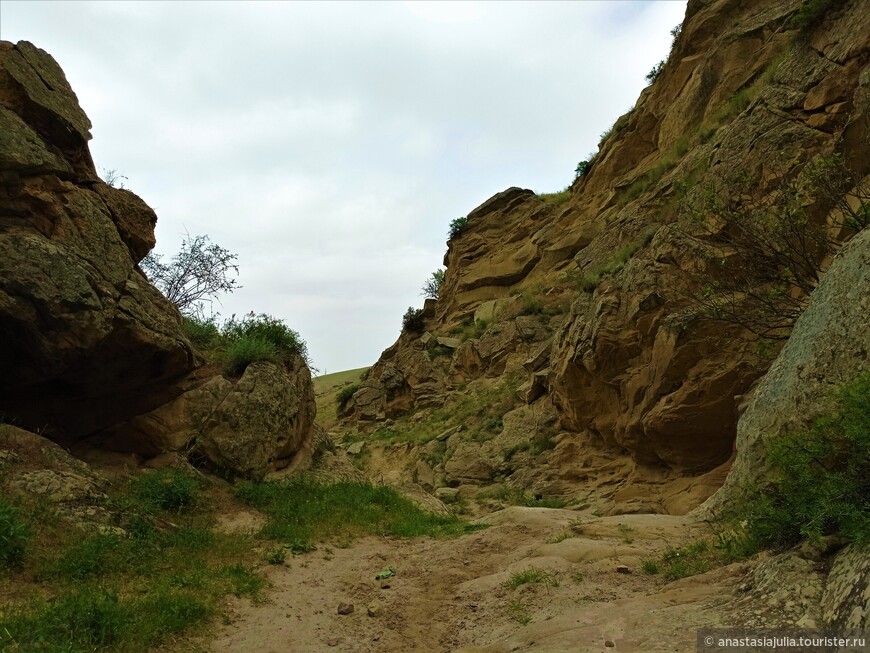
(690, 559)
(125, 591)
(588, 280)
(531, 575)
(515, 496)
(14, 535)
(85, 619)
(166, 489)
(303, 512)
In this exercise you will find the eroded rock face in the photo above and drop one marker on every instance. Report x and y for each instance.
(84, 338)
(91, 354)
(604, 273)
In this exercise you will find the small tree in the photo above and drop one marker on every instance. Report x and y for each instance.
(433, 285)
(195, 276)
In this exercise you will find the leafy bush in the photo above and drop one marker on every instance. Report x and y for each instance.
(14, 534)
(345, 394)
(456, 226)
(166, 489)
(822, 486)
(412, 321)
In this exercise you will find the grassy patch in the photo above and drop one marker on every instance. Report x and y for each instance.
(532, 575)
(556, 199)
(303, 512)
(689, 560)
(515, 496)
(166, 489)
(125, 591)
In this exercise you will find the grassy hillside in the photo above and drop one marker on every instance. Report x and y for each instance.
(326, 388)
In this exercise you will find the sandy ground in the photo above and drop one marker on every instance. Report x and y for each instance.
(451, 595)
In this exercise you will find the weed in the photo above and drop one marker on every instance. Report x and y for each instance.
(14, 535)
(560, 537)
(650, 567)
(276, 557)
(204, 333)
(532, 575)
(517, 612)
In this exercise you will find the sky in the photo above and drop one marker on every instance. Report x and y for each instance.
(330, 144)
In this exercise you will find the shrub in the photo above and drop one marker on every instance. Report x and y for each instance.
(203, 333)
(457, 226)
(345, 394)
(267, 328)
(166, 489)
(14, 534)
(656, 70)
(412, 321)
(821, 486)
(583, 167)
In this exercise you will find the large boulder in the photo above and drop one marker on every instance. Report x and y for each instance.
(85, 340)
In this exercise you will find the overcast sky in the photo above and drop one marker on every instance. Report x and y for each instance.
(330, 144)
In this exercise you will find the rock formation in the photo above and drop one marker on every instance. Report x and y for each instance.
(587, 293)
(89, 349)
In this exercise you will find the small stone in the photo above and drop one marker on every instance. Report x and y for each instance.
(375, 608)
(609, 643)
(356, 448)
(385, 585)
(345, 608)
(333, 641)
(623, 569)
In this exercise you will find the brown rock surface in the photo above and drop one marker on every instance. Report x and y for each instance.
(91, 354)
(628, 374)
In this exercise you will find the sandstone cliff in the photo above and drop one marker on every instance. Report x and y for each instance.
(582, 298)
(89, 349)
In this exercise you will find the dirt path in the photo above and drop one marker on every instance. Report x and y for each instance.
(451, 595)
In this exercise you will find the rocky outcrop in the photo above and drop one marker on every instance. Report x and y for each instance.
(91, 354)
(85, 339)
(828, 348)
(606, 270)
